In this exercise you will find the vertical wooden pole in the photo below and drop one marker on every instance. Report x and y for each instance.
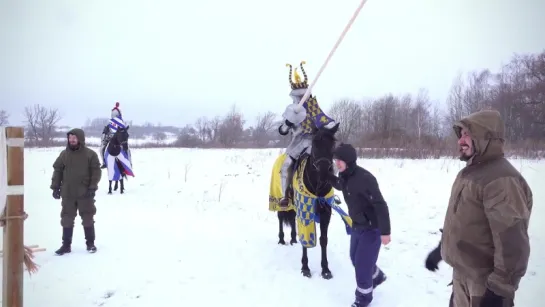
(12, 294)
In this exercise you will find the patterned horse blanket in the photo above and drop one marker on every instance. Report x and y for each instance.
(275, 192)
(114, 171)
(305, 204)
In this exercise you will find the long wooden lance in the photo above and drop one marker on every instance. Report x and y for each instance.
(339, 40)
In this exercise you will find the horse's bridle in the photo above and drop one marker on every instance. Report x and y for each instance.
(322, 159)
(315, 163)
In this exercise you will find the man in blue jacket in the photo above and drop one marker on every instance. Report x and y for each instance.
(370, 221)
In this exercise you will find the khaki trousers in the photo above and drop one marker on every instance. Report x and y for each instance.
(467, 292)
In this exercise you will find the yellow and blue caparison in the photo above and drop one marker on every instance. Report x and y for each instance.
(305, 206)
(275, 188)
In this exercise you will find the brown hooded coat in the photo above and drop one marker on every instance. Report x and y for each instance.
(76, 171)
(485, 233)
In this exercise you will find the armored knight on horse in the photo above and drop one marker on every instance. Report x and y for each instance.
(115, 151)
(300, 121)
(300, 191)
(107, 133)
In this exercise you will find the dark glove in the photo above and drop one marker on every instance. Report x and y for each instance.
(57, 193)
(491, 299)
(433, 259)
(288, 123)
(90, 193)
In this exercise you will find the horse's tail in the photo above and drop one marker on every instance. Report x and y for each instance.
(287, 217)
(121, 168)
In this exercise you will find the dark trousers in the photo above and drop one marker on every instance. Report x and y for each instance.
(70, 208)
(364, 250)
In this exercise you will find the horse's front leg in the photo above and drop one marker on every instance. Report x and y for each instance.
(305, 270)
(281, 228)
(122, 186)
(293, 227)
(325, 218)
(116, 185)
(110, 187)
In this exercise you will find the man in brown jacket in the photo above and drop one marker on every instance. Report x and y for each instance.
(485, 233)
(76, 174)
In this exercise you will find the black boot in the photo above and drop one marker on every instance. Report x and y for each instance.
(66, 241)
(90, 238)
(103, 165)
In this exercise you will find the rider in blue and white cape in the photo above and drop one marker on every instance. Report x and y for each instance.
(116, 171)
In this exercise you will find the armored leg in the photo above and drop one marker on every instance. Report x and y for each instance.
(102, 151)
(287, 177)
(284, 173)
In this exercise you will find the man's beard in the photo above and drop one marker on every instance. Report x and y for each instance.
(73, 147)
(465, 157)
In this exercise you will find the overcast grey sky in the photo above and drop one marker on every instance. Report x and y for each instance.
(171, 61)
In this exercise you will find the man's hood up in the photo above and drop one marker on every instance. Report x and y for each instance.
(79, 134)
(487, 130)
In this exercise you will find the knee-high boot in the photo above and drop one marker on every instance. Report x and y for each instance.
(90, 238)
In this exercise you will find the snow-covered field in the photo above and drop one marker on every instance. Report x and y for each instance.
(193, 229)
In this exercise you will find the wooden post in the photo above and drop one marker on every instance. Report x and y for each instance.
(12, 283)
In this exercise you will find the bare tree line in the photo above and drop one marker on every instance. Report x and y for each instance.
(4, 118)
(409, 125)
(41, 124)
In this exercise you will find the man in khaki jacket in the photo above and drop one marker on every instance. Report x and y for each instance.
(485, 233)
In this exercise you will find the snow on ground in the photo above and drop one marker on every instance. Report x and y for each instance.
(193, 229)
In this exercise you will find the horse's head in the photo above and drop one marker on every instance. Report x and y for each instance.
(121, 136)
(323, 144)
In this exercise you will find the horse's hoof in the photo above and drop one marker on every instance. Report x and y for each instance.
(293, 241)
(110, 193)
(327, 275)
(282, 242)
(306, 273)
